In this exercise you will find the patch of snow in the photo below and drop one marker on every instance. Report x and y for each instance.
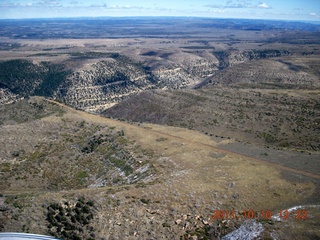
(249, 230)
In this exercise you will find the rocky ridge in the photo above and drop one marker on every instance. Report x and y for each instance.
(6, 96)
(104, 84)
(96, 81)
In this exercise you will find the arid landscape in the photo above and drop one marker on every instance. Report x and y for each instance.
(145, 128)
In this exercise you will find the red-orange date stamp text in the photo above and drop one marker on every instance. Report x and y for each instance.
(298, 214)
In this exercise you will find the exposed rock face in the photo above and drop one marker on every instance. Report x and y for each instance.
(201, 67)
(6, 96)
(173, 78)
(110, 81)
(98, 81)
(244, 56)
(232, 58)
(104, 84)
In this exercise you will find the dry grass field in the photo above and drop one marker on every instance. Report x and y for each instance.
(189, 178)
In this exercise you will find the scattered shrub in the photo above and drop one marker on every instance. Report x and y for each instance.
(71, 222)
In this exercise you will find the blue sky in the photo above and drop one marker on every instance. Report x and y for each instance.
(256, 9)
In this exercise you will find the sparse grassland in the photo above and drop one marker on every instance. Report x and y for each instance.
(181, 178)
(70, 154)
(275, 117)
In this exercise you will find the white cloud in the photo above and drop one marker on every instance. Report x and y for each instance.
(48, 3)
(14, 4)
(314, 15)
(238, 4)
(127, 7)
(264, 5)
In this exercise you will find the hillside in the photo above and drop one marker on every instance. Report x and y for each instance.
(95, 81)
(271, 102)
(296, 72)
(131, 181)
(86, 153)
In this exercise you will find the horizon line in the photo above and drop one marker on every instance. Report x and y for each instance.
(199, 17)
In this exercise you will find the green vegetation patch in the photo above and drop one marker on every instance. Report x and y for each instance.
(71, 220)
(26, 78)
(54, 76)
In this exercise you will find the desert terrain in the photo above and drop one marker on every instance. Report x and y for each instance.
(145, 128)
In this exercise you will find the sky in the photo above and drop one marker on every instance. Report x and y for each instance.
(306, 10)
